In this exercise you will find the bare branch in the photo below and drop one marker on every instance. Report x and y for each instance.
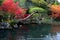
(26, 17)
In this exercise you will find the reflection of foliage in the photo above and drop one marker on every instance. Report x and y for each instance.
(37, 30)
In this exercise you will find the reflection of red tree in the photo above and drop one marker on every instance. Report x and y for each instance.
(55, 28)
(24, 28)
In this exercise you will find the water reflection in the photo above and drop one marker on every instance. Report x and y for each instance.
(36, 32)
(57, 36)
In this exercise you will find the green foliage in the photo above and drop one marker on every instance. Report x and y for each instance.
(34, 9)
(56, 3)
(41, 3)
(12, 22)
(1, 1)
(47, 20)
(22, 3)
(35, 1)
(35, 15)
(38, 2)
(5, 17)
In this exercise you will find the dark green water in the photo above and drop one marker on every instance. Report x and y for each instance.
(35, 32)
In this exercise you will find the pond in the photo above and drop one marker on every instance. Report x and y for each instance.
(35, 32)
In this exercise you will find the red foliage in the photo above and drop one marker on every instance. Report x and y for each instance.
(26, 15)
(55, 11)
(6, 4)
(0, 8)
(11, 7)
